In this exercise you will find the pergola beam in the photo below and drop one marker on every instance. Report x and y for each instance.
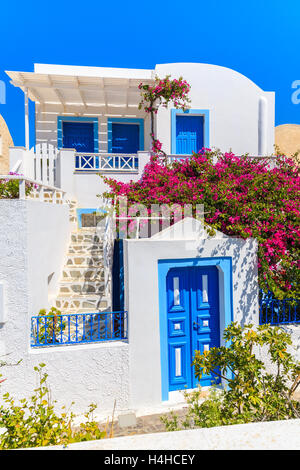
(59, 85)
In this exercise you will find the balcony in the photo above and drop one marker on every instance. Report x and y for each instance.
(106, 162)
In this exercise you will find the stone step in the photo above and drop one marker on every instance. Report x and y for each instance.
(85, 260)
(81, 304)
(80, 248)
(81, 287)
(87, 230)
(79, 237)
(90, 273)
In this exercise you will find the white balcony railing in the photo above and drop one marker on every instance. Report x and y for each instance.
(39, 191)
(106, 162)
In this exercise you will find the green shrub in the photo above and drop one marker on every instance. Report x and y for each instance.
(252, 392)
(34, 422)
(51, 328)
(9, 189)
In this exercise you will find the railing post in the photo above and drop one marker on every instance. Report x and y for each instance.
(22, 186)
(66, 171)
(143, 159)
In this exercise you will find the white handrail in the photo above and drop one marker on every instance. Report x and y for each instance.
(22, 186)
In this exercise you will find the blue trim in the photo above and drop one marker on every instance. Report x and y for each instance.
(140, 122)
(225, 264)
(202, 112)
(86, 328)
(118, 275)
(79, 213)
(61, 119)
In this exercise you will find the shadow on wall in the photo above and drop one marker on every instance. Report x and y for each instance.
(244, 271)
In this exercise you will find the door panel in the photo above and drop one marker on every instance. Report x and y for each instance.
(189, 134)
(178, 329)
(193, 321)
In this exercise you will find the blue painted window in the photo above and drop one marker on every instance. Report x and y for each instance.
(189, 134)
(193, 321)
(78, 135)
(125, 138)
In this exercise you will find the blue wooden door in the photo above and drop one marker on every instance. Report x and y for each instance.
(189, 134)
(125, 138)
(193, 321)
(79, 136)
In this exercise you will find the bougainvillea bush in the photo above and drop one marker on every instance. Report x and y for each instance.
(242, 197)
(163, 92)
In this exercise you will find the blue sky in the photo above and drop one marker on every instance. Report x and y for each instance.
(258, 38)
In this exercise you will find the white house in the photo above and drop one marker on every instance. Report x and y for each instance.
(94, 112)
(181, 286)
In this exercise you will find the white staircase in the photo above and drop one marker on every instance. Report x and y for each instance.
(82, 285)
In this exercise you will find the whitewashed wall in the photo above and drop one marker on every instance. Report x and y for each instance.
(33, 240)
(85, 186)
(142, 298)
(234, 104)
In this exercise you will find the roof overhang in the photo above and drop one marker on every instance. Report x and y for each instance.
(82, 91)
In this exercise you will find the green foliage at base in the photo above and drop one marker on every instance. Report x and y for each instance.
(34, 422)
(252, 392)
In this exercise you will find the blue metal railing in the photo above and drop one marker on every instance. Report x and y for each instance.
(276, 312)
(80, 328)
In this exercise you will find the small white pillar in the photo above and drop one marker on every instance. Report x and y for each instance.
(144, 158)
(26, 119)
(66, 169)
(262, 126)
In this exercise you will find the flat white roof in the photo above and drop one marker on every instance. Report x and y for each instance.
(86, 71)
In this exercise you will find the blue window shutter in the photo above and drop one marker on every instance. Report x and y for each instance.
(125, 138)
(79, 135)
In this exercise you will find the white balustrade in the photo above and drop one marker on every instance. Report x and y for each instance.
(44, 192)
(106, 162)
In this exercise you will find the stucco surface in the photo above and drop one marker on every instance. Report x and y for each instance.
(28, 253)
